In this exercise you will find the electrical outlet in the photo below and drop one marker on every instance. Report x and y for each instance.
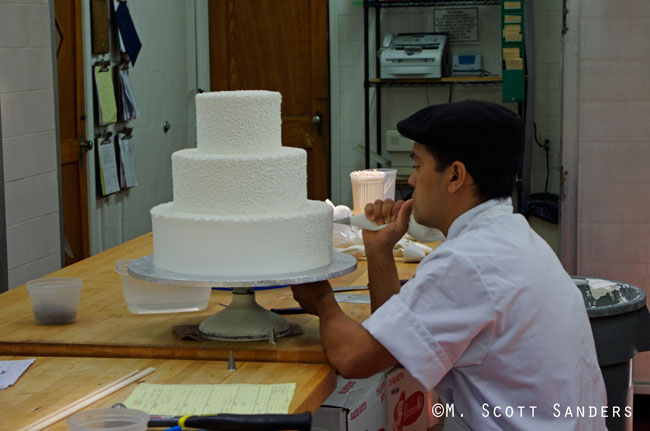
(542, 140)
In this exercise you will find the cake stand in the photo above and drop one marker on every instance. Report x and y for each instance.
(244, 319)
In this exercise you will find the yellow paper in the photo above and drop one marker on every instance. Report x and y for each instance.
(512, 19)
(512, 27)
(512, 5)
(509, 53)
(514, 64)
(511, 36)
(180, 400)
(105, 96)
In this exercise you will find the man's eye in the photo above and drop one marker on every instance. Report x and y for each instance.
(416, 166)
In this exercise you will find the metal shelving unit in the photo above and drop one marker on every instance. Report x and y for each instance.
(379, 83)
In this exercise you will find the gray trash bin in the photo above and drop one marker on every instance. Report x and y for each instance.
(620, 324)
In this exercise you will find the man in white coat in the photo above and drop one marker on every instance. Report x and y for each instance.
(491, 320)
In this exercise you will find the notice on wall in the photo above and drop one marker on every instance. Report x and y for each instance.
(460, 24)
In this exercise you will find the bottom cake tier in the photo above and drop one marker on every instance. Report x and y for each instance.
(263, 245)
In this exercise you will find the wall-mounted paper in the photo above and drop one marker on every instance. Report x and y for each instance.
(106, 106)
(512, 19)
(127, 161)
(108, 168)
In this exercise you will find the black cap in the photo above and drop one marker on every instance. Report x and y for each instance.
(484, 136)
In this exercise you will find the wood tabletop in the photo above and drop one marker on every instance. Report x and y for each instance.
(52, 383)
(106, 328)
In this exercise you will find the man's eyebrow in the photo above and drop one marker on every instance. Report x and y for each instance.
(414, 156)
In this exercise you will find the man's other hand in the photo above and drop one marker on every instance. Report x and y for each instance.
(313, 296)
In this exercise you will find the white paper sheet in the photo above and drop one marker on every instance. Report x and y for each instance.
(10, 371)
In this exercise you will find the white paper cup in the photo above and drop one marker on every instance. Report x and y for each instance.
(367, 187)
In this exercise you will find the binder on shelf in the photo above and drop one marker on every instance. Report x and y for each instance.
(513, 70)
(107, 164)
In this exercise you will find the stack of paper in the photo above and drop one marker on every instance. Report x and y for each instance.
(107, 167)
(512, 57)
(127, 98)
(106, 106)
(127, 161)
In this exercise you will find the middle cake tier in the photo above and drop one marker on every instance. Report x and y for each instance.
(239, 184)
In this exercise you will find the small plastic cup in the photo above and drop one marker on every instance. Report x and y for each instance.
(54, 300)
(390, 175)
(109, 419)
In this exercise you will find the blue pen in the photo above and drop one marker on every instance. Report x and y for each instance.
(174, 428)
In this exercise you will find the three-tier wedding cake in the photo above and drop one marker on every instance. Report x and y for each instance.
(240, 204)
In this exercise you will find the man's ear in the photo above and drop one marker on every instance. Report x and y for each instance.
(457, 176)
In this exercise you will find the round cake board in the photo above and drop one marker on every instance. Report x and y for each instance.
(244, 319)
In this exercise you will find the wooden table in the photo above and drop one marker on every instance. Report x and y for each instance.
(52, 383)
(105, 327)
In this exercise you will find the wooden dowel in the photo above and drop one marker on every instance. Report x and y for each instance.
(87, 400)
(82, 399)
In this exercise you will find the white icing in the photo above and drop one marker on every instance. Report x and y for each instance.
(238, 122)
(270, 244)
(600, 288)
(239, 184)
(240, 203)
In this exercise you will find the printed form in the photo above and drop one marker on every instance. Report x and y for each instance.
(180, 400)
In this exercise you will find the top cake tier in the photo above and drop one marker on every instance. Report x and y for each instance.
(238, 122)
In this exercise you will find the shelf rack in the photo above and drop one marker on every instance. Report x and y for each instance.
(378, 83)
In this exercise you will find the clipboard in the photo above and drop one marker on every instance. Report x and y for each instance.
(107, 163)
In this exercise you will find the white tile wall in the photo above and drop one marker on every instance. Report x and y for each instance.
(614, 146)
(29, 141)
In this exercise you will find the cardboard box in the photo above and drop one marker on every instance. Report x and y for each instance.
(408, 403)
(355, 405)
(388, 401)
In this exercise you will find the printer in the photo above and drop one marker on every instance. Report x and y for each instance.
(414, 55)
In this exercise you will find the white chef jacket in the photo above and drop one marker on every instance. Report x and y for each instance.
(494, 323)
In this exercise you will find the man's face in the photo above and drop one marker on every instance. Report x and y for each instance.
(429, 187)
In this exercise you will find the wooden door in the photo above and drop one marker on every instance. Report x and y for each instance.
(279, 45)
(69, 57)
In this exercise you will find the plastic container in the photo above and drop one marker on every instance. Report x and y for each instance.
(390, 176)
(367, 187)
(109, 419)
(145, 297)
(54, 300)
(620, 324)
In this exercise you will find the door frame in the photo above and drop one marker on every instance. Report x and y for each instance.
(57, 129)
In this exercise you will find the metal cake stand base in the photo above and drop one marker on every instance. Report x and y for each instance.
(244, 319)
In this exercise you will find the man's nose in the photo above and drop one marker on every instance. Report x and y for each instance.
(412, 179)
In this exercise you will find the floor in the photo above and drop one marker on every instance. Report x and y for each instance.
(641, 413)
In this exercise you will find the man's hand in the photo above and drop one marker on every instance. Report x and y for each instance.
(395, 215)
(313, 297)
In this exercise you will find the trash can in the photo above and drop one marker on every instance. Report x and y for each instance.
(620, 324)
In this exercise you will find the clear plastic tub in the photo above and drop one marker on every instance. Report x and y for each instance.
(109, 419)
(54, 300)
(145, 297)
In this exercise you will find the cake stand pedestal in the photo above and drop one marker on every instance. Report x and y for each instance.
(244, 319)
